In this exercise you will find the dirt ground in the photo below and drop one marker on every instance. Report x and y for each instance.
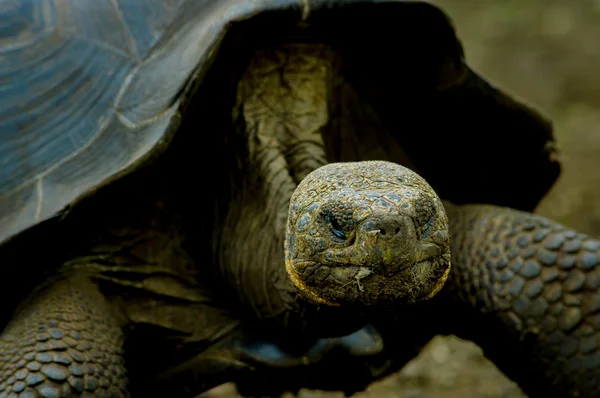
(547, 52)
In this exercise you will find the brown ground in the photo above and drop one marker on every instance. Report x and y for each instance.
(547, 52)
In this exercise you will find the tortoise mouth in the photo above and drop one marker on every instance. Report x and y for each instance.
(334, 285)
(307, 291)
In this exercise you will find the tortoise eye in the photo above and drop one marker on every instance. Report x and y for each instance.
(335, 227)
(337, 232)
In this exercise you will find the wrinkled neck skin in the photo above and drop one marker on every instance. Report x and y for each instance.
(282, 109)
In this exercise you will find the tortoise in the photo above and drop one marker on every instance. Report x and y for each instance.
(197, 191)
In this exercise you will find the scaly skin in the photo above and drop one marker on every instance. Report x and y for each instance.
(296, 75)
(372, 232)
(540, 281)
(63, 342)
(282, 114)
(128, 277)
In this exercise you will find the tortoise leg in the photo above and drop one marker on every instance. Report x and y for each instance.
(63, 342)
(536, 283)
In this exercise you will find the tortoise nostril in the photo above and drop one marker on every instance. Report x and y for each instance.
(383, 232)
(389, 227)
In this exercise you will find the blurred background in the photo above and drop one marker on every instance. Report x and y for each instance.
(546, 52)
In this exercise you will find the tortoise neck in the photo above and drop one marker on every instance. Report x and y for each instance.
(283, 106)
(281, 109)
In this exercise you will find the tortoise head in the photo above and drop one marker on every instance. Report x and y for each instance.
(370, 233)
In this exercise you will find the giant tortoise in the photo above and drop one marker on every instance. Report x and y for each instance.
(193, 191)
